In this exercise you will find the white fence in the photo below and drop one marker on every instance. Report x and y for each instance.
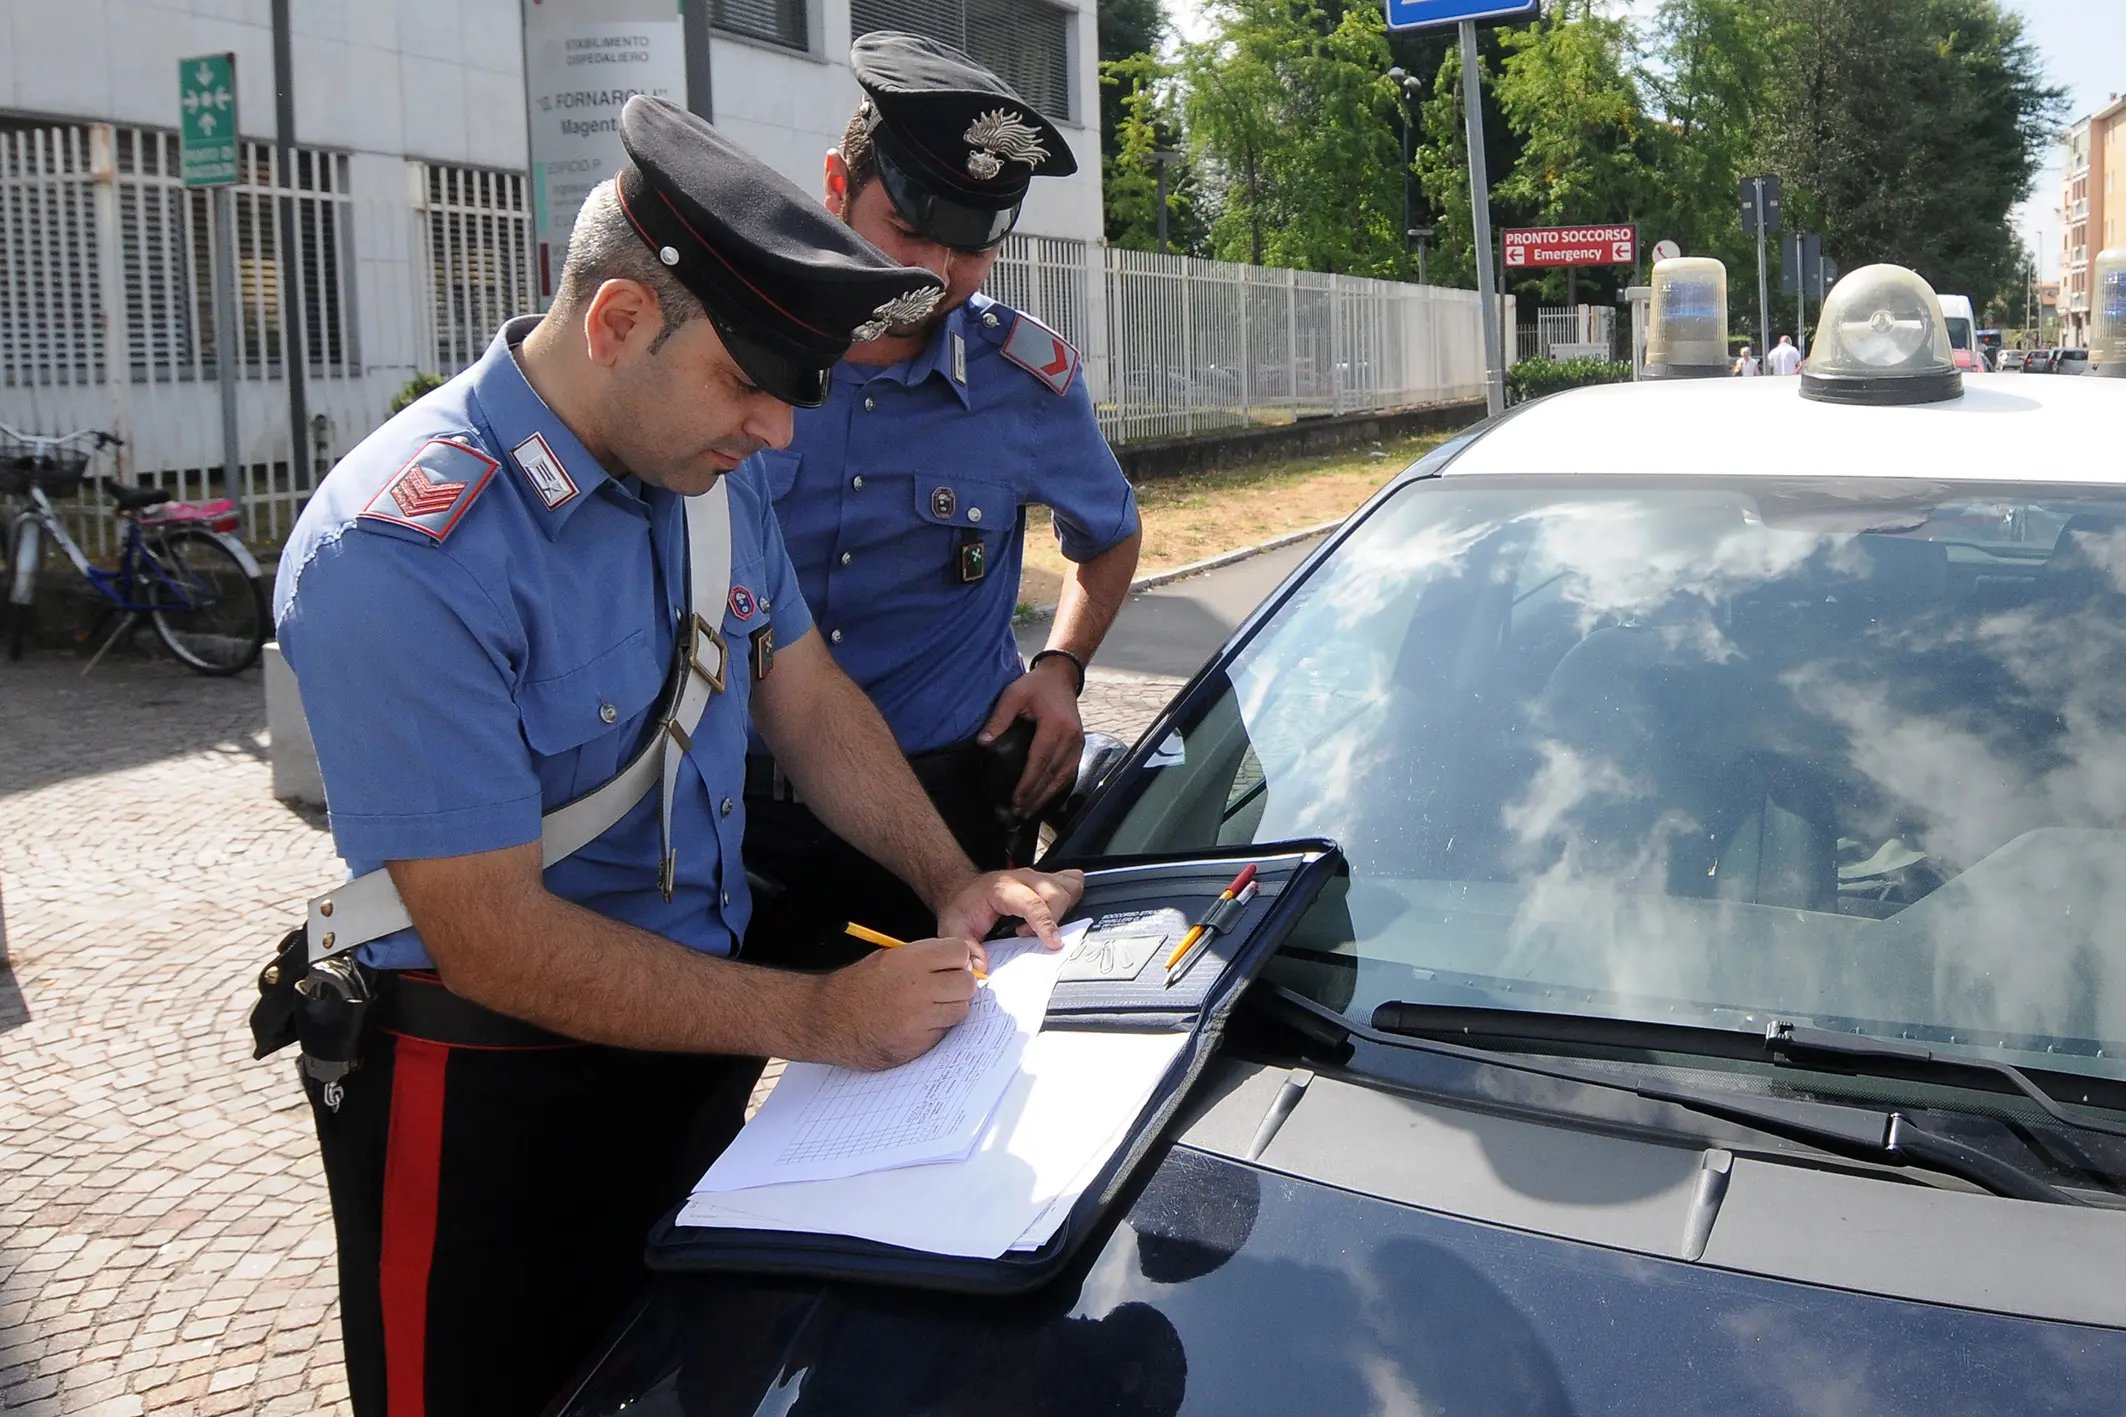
(1585, 330)
(371, 268)
(1176, 346)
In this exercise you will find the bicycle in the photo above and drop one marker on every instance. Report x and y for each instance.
(180, 566)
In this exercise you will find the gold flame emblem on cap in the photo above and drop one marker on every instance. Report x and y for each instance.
(903, 309)
(998, 137)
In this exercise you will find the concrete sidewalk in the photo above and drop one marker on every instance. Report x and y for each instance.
(165, 1239)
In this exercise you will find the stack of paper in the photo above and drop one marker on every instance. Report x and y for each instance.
(979, 1147)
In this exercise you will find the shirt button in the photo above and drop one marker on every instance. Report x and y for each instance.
(835, 636)
(845, 558)
(974, 514)
(870, 404)
(608, 713)
(724, 806)
(857, 482)
(989, 318)
(727, 900)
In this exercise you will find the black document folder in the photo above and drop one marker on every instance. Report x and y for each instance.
(1140, 906)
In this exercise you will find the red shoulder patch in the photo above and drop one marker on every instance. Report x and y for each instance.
(1041, 352)
(433, 490)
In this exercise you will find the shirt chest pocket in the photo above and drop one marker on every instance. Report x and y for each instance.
(585, 709)
(959, 502)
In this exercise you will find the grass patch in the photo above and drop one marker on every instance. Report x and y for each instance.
(1204, 514)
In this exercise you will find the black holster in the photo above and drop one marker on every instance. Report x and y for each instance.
(324, 1007)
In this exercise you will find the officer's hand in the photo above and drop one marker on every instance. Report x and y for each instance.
(1047, 694)
(895, 1005)
(1039, 898)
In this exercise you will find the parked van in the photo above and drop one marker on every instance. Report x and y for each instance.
(1963, 331)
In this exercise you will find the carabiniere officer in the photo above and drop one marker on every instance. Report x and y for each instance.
(904, 497)
(481, 605)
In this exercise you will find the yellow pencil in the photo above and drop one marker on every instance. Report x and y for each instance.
(885, 941)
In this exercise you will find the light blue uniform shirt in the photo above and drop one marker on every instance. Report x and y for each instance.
(880, 486)
(481, 630)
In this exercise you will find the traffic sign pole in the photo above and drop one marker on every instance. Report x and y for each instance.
(1764, 298)
(1487, 300)
(208, 152)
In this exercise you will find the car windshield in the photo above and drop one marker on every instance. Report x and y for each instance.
(1701, 751)
(1959, 331)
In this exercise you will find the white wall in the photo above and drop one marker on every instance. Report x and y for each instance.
(444, 80)
(440, 79)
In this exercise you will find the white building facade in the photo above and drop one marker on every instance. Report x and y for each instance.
(396, 233)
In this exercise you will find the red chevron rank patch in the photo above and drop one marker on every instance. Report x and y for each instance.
(433, 490)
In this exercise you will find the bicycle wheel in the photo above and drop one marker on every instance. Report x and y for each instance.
(209, 611)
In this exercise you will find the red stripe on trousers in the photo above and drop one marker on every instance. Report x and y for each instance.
(413, 1174)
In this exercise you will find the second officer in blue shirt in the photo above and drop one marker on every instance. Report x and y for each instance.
(903, 498)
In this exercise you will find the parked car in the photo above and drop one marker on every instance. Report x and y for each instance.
(2039, 362)
(2011, 361)
(2071, 361)
(1725, 1009)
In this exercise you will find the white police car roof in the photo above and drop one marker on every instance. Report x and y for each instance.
(2004, 427)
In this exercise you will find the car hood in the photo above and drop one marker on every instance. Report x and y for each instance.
(1228, 1288)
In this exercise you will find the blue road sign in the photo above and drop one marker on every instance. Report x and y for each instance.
(1421, 14)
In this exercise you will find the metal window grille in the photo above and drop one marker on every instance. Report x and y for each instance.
(1026, 42)
(772, 21)
(51, 307)
(479, 258)
(297, 256)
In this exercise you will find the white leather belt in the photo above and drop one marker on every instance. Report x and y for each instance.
(368, 907)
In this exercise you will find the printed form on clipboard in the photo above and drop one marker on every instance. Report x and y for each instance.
(990, 1146)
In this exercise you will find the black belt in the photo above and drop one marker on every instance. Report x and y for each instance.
(938, 770)
(415, 1004)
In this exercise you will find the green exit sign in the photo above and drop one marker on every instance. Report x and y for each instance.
(206, 119)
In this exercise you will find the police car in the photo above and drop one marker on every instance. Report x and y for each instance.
(1725, 1009)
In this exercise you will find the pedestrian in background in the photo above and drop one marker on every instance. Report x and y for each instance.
(1784, 359)
(1746, 364)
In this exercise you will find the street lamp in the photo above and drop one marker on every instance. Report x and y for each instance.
(1421, 235)
(1163, 158)
(1407, 89)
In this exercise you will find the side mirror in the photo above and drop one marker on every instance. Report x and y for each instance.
(1101, 755)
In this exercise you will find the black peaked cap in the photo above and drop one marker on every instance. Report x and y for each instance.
(788, 285)
(954, 132)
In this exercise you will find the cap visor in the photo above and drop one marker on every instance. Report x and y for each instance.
(801, 383)
(942, 220)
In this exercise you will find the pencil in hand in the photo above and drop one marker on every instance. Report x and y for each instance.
(887, 942)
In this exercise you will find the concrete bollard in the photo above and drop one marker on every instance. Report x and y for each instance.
(295, 771)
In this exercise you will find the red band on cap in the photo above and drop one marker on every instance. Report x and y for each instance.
(705, 245)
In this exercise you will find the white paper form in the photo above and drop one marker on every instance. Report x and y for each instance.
(1069, 1108)
(822, 1122)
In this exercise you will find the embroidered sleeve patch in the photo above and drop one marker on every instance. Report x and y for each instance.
(433, 490)
(1042, 353)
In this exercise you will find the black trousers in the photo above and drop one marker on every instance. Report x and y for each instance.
(815, 883)
(492, 1203)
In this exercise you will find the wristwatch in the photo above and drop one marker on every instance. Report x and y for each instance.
(1075, 663)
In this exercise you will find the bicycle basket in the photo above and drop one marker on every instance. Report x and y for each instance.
(60, 474)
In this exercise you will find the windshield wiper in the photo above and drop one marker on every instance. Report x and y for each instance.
(1859, 1133)
(1782, 1043)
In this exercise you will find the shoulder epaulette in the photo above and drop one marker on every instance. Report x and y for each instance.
(1040, 351)
(431, 492)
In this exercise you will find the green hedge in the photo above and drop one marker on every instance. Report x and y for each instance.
(1533, 378)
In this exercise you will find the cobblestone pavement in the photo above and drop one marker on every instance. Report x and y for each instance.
(165, 1241)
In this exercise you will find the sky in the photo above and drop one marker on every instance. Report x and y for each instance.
(2083, 43)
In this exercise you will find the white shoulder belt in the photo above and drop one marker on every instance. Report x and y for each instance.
(368, 907)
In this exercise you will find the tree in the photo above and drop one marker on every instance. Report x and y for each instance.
(1128, 28)
(1909, 129)
(1290, 116)
(1130, 178)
